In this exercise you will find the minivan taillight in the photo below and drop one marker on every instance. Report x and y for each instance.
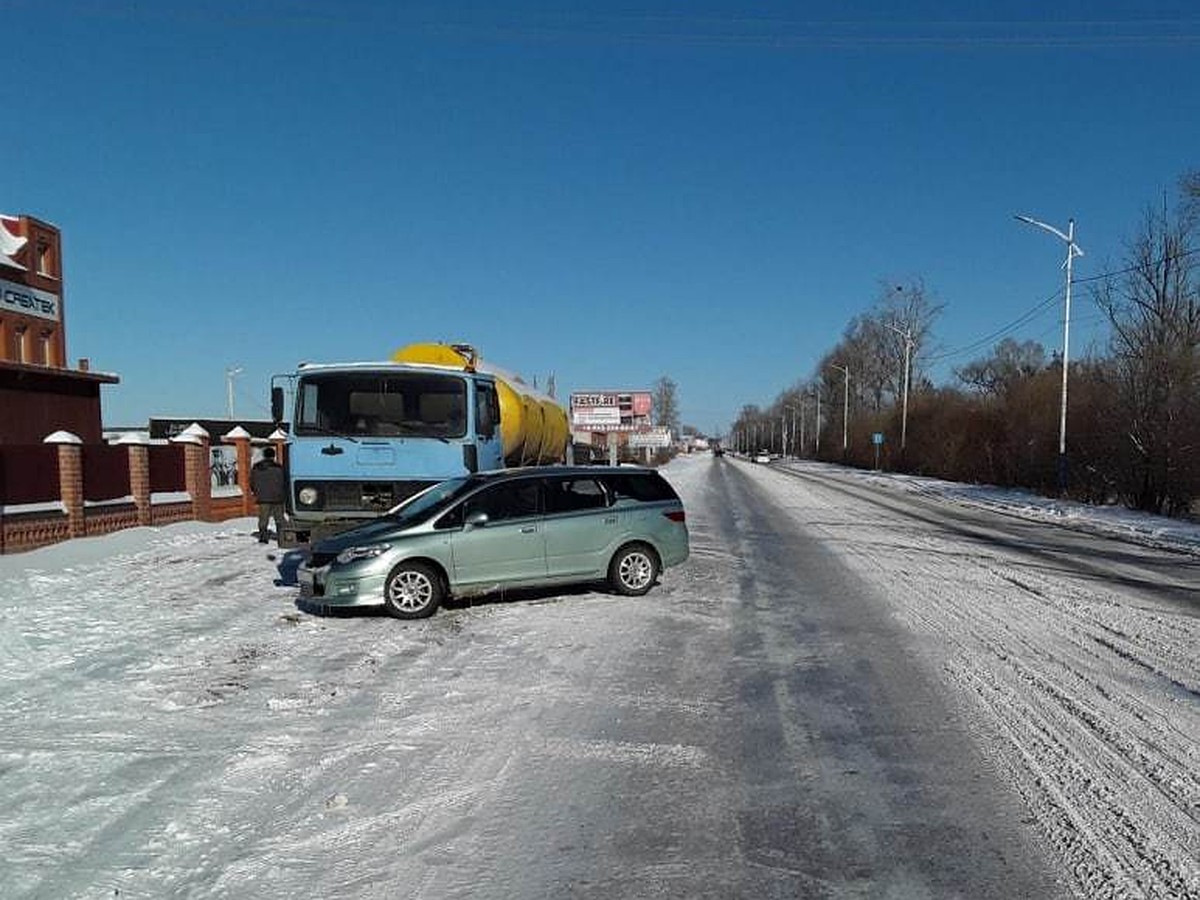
(676, 515)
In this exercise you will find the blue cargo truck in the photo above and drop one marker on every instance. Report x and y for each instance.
(364, 436)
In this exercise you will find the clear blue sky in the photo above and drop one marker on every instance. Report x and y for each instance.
(609, 192)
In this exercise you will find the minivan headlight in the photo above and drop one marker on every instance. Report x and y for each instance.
(367, 551)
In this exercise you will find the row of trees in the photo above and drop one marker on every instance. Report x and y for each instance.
(1133, 432)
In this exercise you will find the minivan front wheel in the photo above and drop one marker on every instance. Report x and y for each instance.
(412, 591)
(633, 570)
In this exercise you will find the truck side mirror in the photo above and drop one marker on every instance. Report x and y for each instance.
(277, 404)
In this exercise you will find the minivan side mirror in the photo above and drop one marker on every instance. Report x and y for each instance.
(477, 519)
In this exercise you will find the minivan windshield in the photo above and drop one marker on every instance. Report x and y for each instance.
(432, 500)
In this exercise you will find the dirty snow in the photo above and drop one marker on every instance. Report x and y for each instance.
(172, 725)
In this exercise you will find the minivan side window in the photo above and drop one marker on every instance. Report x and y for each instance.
(647, 487)
(571, 494)
(507, 500)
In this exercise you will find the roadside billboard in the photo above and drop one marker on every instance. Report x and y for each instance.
(611, 410)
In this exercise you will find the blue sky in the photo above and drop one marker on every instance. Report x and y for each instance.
(606, 192)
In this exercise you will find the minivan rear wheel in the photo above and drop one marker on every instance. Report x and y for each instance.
(633, 570)
(412, 591)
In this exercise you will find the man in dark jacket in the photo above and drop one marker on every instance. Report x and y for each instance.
(269, 486)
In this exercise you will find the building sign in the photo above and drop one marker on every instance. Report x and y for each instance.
(659, 436)
(588, 416)
(587, 401)
(29, 301)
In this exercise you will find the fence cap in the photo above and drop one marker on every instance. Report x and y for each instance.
(62, 437)
(195, 430)
(133, 437)
(237, 433)
(277, 435)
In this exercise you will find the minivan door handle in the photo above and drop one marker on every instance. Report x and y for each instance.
(529, 529)
(610, 520)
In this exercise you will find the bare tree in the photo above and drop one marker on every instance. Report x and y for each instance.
(666, 404)
(1189, 189)
(1009, 363)
(1154, 310)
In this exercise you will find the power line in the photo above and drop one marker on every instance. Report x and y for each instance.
(1032, 313)
(1023, 319)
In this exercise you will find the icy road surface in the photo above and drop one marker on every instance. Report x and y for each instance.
(848, 691)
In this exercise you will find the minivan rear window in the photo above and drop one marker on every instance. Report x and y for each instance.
(644, 486)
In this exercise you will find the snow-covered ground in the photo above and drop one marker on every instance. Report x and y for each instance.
(1117, 521)
(1083, 689)
(171, 724)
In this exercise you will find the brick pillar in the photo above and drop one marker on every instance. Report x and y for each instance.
(199, 478)
(243, 472)
(139, 481)
(70, 487)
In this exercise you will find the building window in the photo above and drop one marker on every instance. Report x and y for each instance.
(46, 348)
(18, 347)
(44, 260)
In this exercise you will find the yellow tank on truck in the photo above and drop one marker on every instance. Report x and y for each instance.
(533, 427)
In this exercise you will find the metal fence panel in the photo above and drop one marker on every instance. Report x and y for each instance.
(167, 470)
(28, 473)
(105, 472)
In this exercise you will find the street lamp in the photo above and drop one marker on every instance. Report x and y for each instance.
(230, 373)
(845, 370)
(908, 344)
(1072, 251)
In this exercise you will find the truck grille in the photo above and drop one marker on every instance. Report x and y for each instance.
(368, 496)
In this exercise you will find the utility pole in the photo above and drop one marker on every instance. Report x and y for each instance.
(845, 370)
(818, 450)
(1073, 250)
(908, 344)
(801, 453)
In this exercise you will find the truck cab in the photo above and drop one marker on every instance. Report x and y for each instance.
(365, 436)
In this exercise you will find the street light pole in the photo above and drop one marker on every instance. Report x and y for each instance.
(230, 373)
(845, 370)
(908, 343)
(1073, 250)
(817, 452)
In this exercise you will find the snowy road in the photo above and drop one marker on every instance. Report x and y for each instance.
(846, 692)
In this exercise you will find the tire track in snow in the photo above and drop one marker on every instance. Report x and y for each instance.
(1088, 692)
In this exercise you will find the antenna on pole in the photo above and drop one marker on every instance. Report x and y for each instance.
(231, 372)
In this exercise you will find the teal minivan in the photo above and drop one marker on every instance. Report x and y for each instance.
(512, 528)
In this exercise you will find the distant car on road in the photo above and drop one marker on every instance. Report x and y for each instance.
(504, 529)
(763, 456)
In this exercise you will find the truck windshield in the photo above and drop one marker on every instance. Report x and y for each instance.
(381, 404)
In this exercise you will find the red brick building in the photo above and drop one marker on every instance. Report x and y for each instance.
(39, 394)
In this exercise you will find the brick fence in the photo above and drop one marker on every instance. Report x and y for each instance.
(105, 488)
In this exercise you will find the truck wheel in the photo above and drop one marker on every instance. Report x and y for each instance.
(633, 570)
(412, 591)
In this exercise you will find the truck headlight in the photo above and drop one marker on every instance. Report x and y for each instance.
(367, 551)
(308, 496)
